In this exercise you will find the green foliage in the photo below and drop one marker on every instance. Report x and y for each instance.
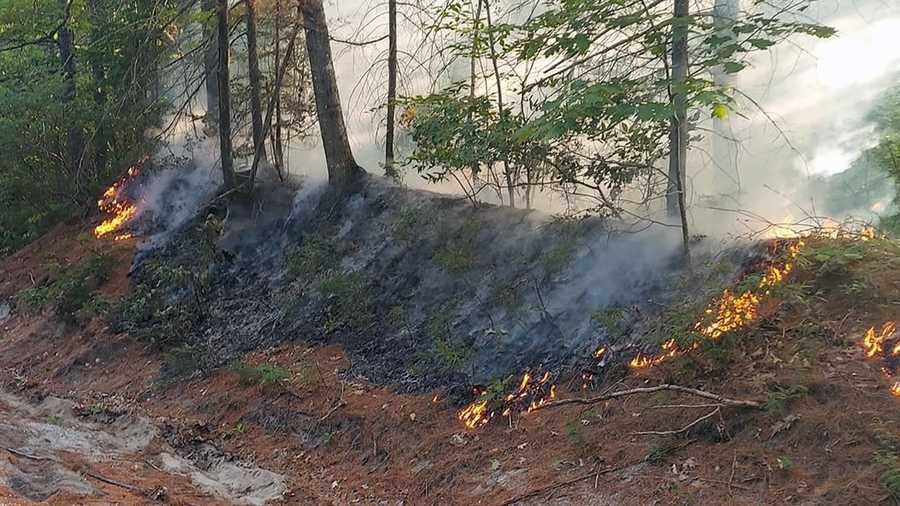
(314, 255)
(784, 463)
(557, 258)
(166, 306)
(445, 351)
(409, 221)
(890, 478)
(349, 302)
(264, 375)
(589, 122)
(62, 149)
(612, 319)
(457, 254)
(72, 292)
(575, 433)
(781, 395)
(455, 258)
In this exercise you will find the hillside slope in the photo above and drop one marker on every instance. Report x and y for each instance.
(333, 405)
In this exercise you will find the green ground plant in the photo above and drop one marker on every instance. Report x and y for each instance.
(72, 292)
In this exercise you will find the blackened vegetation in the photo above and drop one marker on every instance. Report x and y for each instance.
(423, 291)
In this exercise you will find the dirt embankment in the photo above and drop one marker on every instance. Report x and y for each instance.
(116, 428)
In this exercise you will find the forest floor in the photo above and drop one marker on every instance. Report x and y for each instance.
(86, 418)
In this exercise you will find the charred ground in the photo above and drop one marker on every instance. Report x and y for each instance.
(281, 372)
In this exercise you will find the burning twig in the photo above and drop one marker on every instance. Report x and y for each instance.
(724, 401)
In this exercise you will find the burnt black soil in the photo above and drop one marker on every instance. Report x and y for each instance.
(422, 290)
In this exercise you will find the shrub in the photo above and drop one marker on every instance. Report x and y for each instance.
(264, 374)
(72, 293)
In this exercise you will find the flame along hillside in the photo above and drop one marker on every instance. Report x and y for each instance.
(728, 313)
(801, 350)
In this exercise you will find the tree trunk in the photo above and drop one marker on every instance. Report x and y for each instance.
(278, 147)
(392, 90)
(253, 63)
(678, 130)
(342, 168)
(210, 64)
(510, 187)
(224, 94)
(101, 146)
(66, 44)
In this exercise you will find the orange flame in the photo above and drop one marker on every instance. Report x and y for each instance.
(121, 210)
(873, 347)
(873, 344)
(729, 312)
(528, 396)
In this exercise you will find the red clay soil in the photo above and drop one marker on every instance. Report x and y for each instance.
(343, 440)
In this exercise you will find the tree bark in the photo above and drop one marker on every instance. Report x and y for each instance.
(392, 90)
(253, 63)
(510, 187)
(279, 77)
(678, 130)
(66, 44)
(277, 144)
(224, 94)
(210, 64)
(342, 167)
(101, 146)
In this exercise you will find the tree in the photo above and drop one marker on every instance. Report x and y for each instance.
(678, 132)
(253, 70)
(210, 63)
(66, 43)
(224, 94)
(343, 170)
(391, 90)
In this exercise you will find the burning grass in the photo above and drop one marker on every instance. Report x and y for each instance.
(113, 202)
(528, 396)
(884, 345)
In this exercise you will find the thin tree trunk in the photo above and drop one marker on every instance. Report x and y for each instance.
(342, 167)
(510, 188)
(392, 90)
(101, 146)
(278, 147)
(66, 44)
(253, 63)
(473, 59)
(678, 130)
(279, 76)
(224, 95)
(210, 64)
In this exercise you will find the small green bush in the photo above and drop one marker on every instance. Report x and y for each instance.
(890, 478)
(313, 256)
(72, 292)
(264, 374)
(349, 302)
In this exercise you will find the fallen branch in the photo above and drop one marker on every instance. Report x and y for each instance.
(115, 483)
(17, 453)
(679, 431)
(724, 401)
